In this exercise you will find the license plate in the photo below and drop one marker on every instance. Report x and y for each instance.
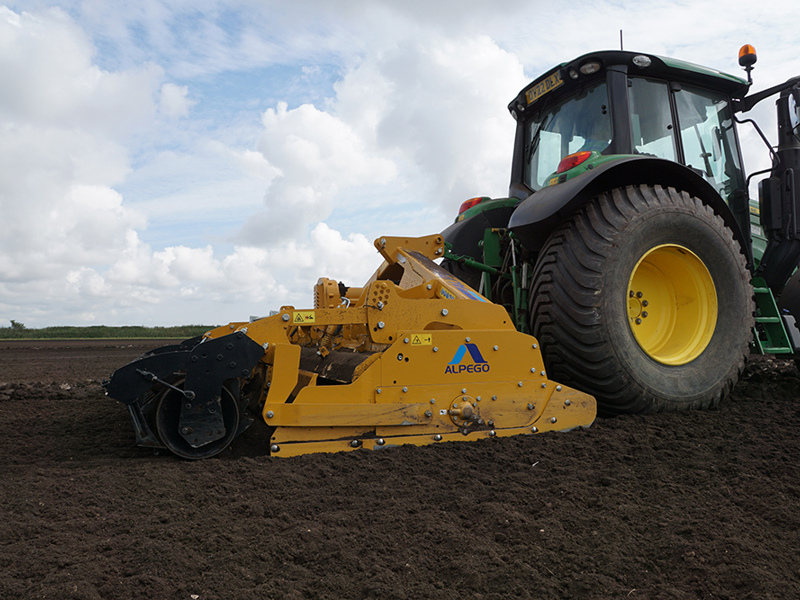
(543, 87)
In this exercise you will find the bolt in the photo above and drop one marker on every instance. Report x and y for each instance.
(463, 390)
(533, 369)
(639, 294)
(544, 385)
(274, 448)
(383, 241)
(187, 406)
(552, 419)
(381, 324)
(355, 444)
(437, 438)
(534, 430)
(644, 314)
(399, 357)
(530, 406)
(433, 400)
(519, 384)
(405, 389)
(444, 312)
(491, 423)
(535, 346)
(438, 251)
(494, 397)
(186, 430)
(232, 326)
(270, 414)
(380, 441)
(455, 404)
(428, 414)
(645, 303)
(285, 317)
(380, 305)
(492, 433)
(464, 398)
(220, 357)
(266, 346)
(638, 321)
(542, 373)
(478, 398)
(631, 294)
(495, 348)
(435, 349)
(405, 340)
(567, 402)
(468, 340)
(379, 390)
(558, 388)
(429, 286)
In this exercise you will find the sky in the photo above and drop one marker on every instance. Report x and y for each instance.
(199, 162)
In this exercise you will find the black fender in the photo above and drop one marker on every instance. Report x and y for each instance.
(542, 212)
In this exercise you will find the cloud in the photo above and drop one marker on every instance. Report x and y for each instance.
(174, 101)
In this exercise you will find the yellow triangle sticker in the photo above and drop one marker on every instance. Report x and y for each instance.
(421, 339)
(304, 317)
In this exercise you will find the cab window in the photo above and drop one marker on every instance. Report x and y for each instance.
(651, 119)
(581, 122)
(706, 127)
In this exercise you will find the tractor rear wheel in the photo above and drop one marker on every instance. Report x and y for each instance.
(642, 298)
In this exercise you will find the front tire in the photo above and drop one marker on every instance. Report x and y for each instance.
(642, 299)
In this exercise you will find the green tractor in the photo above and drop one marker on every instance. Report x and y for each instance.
(629, 245)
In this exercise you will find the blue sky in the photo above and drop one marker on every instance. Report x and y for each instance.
(175, 162)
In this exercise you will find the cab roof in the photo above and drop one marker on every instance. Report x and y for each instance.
(635, 64)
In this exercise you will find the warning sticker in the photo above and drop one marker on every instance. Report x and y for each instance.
(421, 339)
(304, 317)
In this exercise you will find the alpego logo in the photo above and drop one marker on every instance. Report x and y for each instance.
(479, 363)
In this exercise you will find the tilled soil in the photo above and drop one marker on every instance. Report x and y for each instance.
(698, 505)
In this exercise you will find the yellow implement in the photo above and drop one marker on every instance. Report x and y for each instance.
(413, 357)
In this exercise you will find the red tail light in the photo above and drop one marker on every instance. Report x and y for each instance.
(572, 160)
(467, 204)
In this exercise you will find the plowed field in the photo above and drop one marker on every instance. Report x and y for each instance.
(699, 505)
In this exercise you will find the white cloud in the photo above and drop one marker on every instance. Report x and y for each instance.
(174, 100)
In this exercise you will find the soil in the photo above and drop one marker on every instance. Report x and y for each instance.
(696, 505)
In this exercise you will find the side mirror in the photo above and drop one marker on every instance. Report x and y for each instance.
(794, 111)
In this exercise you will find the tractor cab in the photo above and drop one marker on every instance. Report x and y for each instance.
(608, 105)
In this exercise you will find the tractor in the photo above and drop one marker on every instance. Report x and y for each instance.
(628, 244)
(627, 271)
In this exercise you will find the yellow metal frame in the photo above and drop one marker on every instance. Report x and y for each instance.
(441, 363)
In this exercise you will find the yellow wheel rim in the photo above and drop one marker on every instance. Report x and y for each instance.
(672, 304)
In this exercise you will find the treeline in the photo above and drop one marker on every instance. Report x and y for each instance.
(19, 331)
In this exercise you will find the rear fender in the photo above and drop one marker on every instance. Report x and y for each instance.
(542, 212)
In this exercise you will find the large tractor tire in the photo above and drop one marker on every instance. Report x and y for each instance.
(642, 298)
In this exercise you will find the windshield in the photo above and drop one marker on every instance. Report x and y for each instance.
(579, 123)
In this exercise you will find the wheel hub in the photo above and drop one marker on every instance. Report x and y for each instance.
(672, 304)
